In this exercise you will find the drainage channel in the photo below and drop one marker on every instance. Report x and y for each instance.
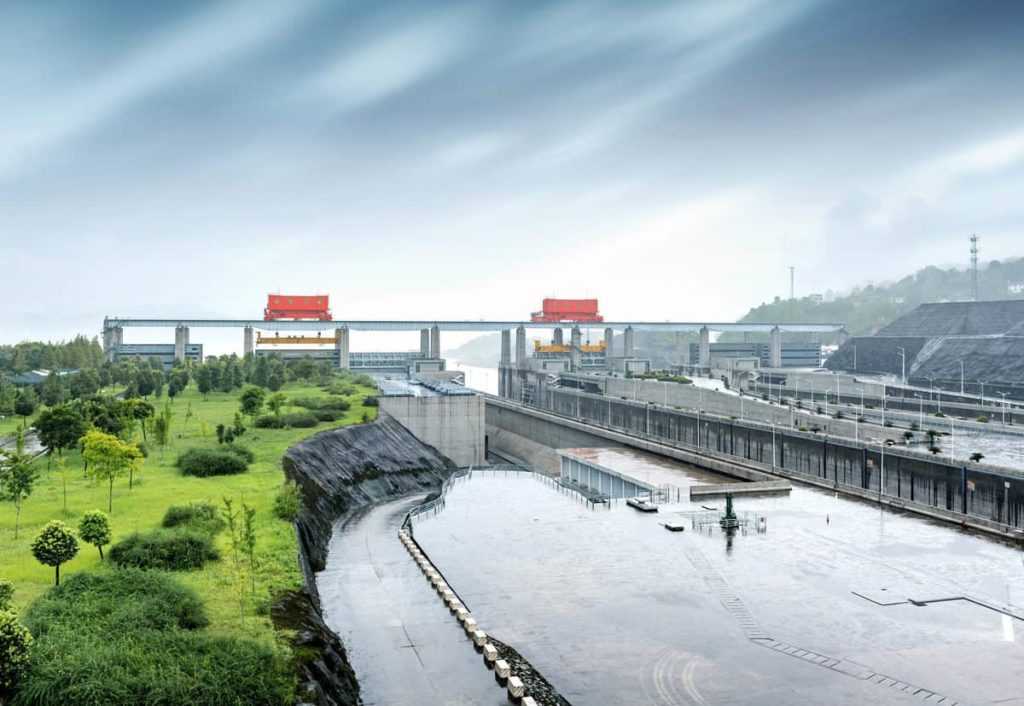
(735, 606)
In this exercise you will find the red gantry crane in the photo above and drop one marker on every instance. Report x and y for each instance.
(569, 310)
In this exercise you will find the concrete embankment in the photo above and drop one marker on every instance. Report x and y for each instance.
(339, 471)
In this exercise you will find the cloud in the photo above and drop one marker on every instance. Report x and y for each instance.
(201, 44)
(394, 60)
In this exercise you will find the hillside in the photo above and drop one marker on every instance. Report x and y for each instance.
(867, 309)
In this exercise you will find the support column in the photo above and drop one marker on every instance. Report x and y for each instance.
(108, 343)
(435, 342)
(248, 342)
(575, 354)
(180, 341)
(341, 345)
(425, 342)
(609, 339)
(775, 348)
(558, 340)
(521, 347)
(627, 342)
(704, 355)
(504, 364)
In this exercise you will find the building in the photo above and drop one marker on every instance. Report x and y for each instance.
(164, 352)
(794, 355)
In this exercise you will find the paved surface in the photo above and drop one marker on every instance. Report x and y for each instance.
(613, 609)
(404, 645)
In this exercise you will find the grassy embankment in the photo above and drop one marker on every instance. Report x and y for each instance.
(159, 486)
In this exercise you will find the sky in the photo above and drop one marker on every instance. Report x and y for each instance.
(465, 159)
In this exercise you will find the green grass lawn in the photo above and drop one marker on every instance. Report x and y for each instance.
(159, 486)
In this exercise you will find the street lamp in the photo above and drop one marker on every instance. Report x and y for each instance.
(920, 399)
(903, 358)
(1003, 395)
(961, 376)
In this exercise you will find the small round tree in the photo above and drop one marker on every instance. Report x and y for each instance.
(55, 545)
(95, 529)
(6, 594)
(15, 643)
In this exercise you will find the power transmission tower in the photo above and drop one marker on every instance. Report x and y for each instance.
(974, 267)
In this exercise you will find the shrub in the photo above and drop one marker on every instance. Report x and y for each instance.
(172, 549)
(6, 594)
(243, 452)
(301, 420)
(983, 419)
(288, 501)
(269, 421)
(325, 415)
(371, 401)
(199, 516)
(210, 462)
(322, 403)
(15, 643)
(132, 637)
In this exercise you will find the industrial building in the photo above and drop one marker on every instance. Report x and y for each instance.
(793, 355)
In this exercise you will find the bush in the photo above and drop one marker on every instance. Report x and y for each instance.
(302, 420)
(199, 516)
(371, 401)
(6, 594)
(210, 462)
(15, 643)
(983, 419)
(325, 415)
(269, 421)
(132, 637)
(322, 403)
(242, 452)
(171, 549)
(288, 501)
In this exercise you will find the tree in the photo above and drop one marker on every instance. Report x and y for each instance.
(55, 545)
(109, 457)
(86, 382)
(251, 401)
(94, 528)
(204, 380)
(17, 477)
(162, 426)
(141, 411)
(248, 537)
(26, 402)
(15, 646)
(221, 429)
(60, 428)
(276, 402)
(276, 380)
(51, 392)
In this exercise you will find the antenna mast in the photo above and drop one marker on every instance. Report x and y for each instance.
(974, 266)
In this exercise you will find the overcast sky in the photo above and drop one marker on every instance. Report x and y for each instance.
(463, 160)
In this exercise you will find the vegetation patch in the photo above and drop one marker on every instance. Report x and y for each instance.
(200, 516)
(171, 549)
(202, 463)
(288, 501)
(132, 637)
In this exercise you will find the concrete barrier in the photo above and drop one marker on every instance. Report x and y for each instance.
(527, 701)
(462, 614)
(502, 669)
(479, 638)
(490, 653)
(516, 688)
(469, 624)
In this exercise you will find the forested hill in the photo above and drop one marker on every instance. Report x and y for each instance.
(79, 352)
(867, 309)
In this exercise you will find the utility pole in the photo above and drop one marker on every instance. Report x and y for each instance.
(974, 266)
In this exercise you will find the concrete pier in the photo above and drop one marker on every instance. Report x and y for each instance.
(704, 356)
(575, 354)
(627, 342)
(341, 345)
(425, 342)
(505, 362)
(180, 341)
(557, 339)
(248, 342)
(775, 344)
(521, 347)
(435, 342)
(609, 339)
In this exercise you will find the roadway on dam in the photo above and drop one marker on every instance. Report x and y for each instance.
(405, 647)
(831, 600)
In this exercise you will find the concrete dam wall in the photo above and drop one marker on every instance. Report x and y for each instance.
(986, 498)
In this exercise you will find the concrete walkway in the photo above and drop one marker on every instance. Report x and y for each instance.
(405, 647)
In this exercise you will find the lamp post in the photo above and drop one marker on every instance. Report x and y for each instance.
(961, 376)
(1003, 395)
(826, 403)
(903, 359)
